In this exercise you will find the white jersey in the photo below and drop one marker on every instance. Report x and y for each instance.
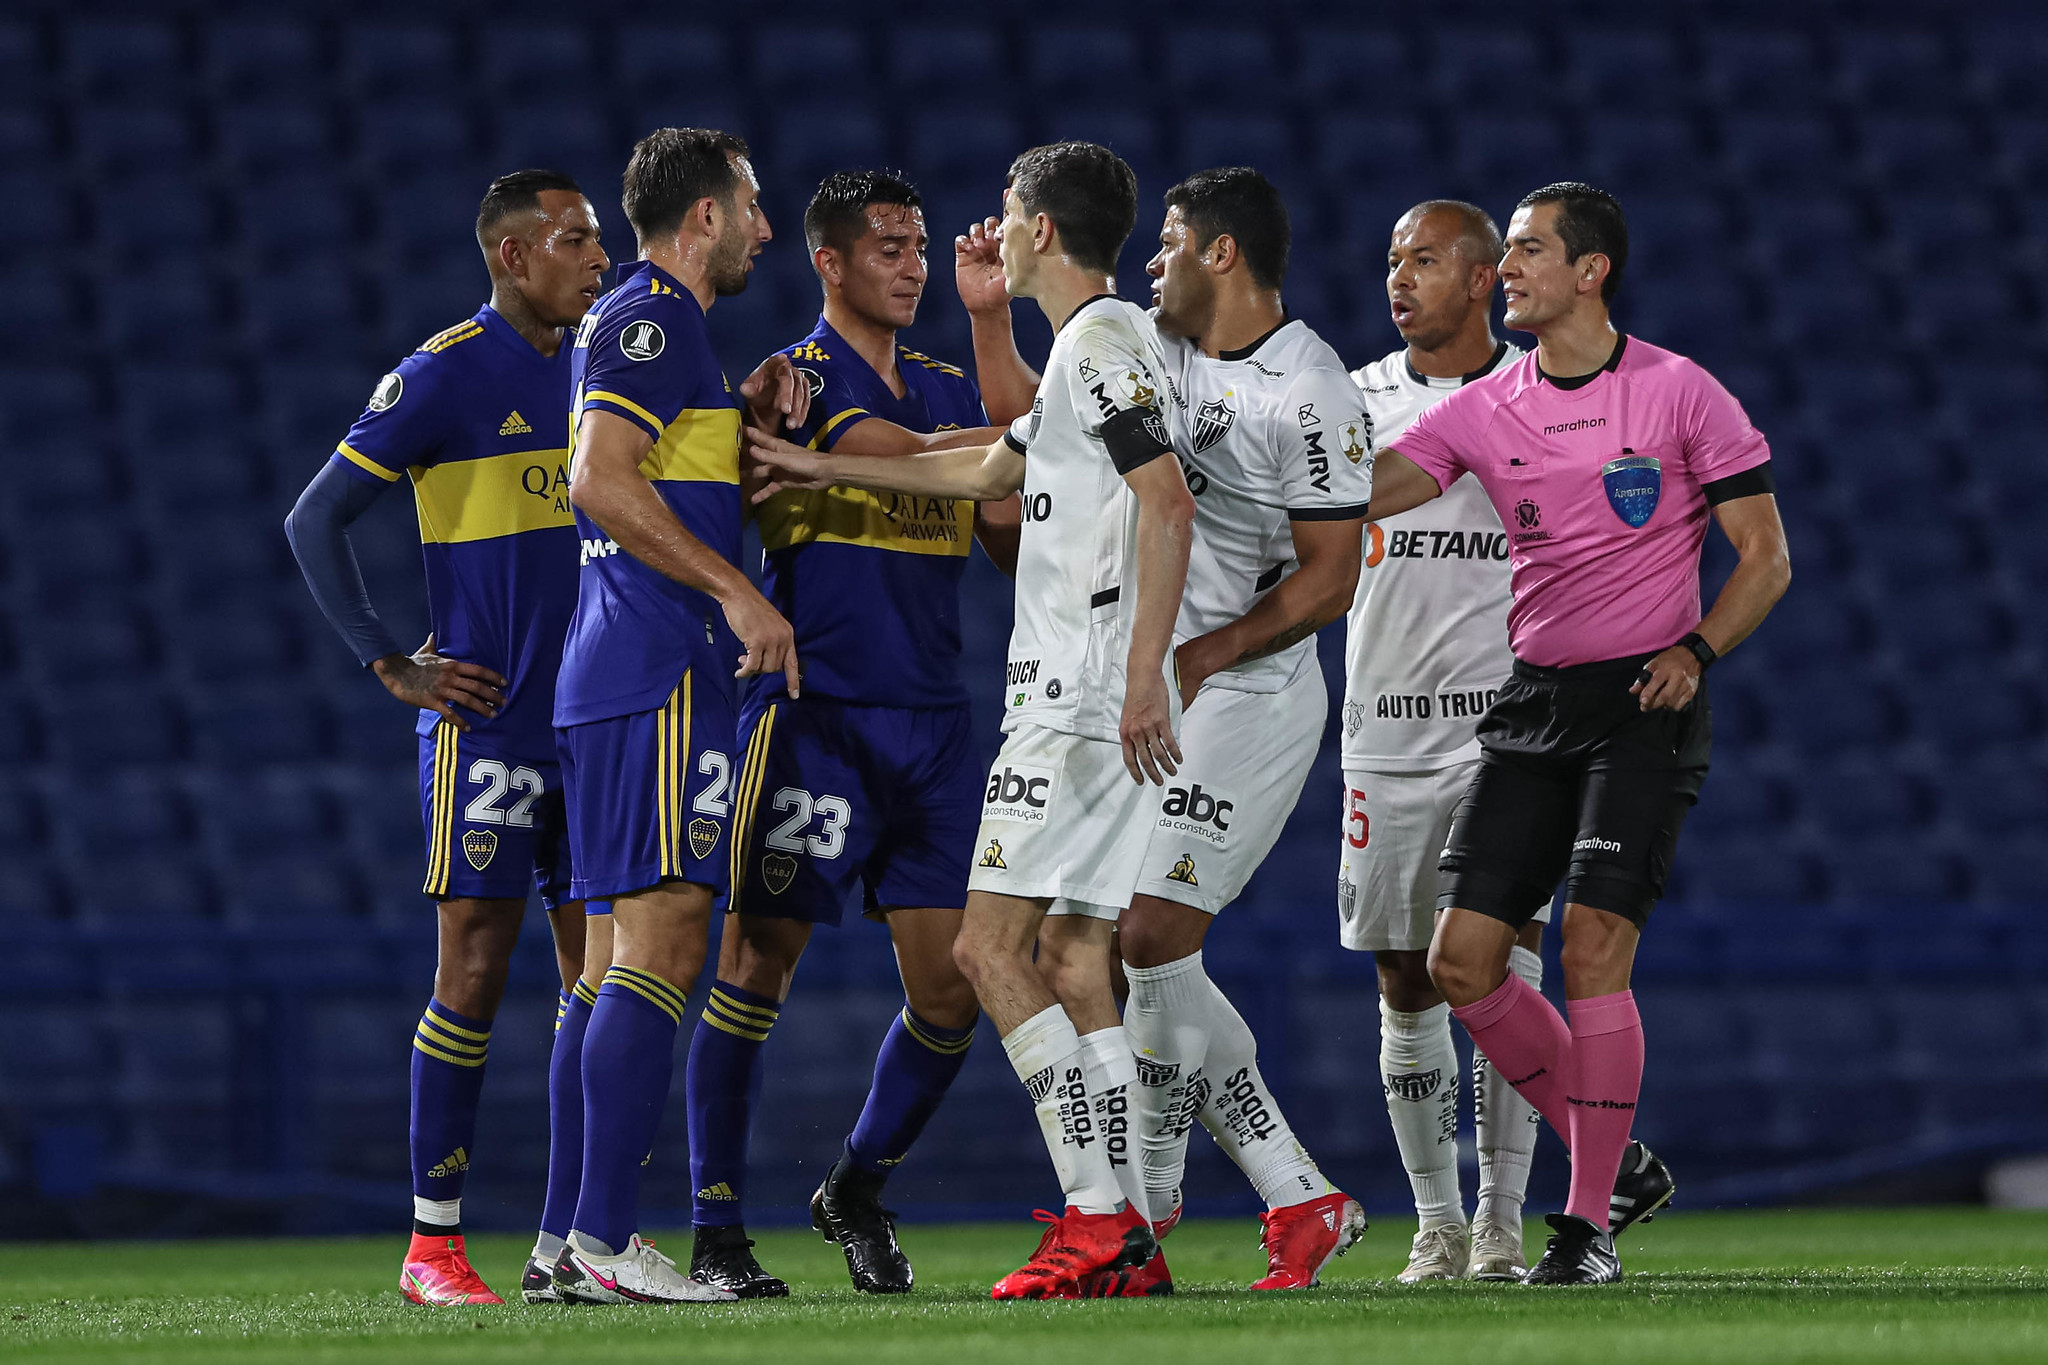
(1269, 435)
(1426, 649)
(1097, 403)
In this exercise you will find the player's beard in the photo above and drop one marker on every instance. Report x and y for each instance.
(727, 266)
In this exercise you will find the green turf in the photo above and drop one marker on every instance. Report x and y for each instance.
(1865, 1286)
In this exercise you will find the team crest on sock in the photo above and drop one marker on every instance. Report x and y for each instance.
(703, 837)
(778, 870)
(992, 856)
(455, 1163)
(1157, 1073)
(1184, 870)
(479, 846)
(1415, 1086)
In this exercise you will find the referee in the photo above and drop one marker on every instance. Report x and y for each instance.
(1604, 456)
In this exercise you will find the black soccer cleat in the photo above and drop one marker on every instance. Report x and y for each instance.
(724, 1259)
(847, 1209)
(1579, 1254)
(537, 1282)
(1643, 1186)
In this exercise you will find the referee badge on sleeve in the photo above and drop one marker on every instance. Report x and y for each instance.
(1633, 484)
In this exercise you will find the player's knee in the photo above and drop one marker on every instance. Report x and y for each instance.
(1457, 975)
(949, 1003)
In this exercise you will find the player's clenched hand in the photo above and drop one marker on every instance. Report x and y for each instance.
(770, 640)
(1147, 731)
(775, 393)
(1668, 682)
(784, 464)
(978, 268)
(436, 684)
(1191, 668)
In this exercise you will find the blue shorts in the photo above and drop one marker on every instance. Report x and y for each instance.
(493, 819)
(832, 795)
(649, 795)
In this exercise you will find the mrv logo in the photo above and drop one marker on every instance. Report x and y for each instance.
(1017, 793)
(1204, 814)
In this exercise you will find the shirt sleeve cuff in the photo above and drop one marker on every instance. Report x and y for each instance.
(628, 409)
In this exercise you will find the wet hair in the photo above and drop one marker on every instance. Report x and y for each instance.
(1089, 192)
(1588, 220)
(674, 169)
(1239, 202)
(1478, 234)
(518, 192)
(837, 215)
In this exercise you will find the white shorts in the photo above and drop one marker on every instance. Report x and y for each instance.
(1246, 756)
(1395, 828)
(1061, 819)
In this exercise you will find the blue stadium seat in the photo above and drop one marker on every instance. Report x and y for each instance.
(2022, 142)
(790, 59)
(1890, 868)
(964, 143)
(1820, 1033)
(372, 730)
(222, 643)
(23, 828)
(573, 140)
(1095, 59)
(122, 57)
(109, 819)
(431, 304)
(93, 727)
(315, 884)
(117, 140)
(261, 57)
(1630, 152)
(651, 62)
(27, 142)
(1701, 1032)
(944, 58)
(312, 312)
(1971, 709)
(142, 889)
(1922, 152)
(398, 139)
(1760, 68)
(1625, 69)
(259, 142)
(1999, 794)
(161, 315)
(306, 221)
(160, 399)
(62, 556)
(1483, 67)
(23, 63)
(379, 60)
(2007, 871)
(237, 727)
(1219, 66)
(1395, 151)
(524, 65)
(22, 734)
(1932, 622)
(1804, 227)
(1745, 870)
(1822, 721)
(1894, 66)
(1332, 63)
(1242, 140)
(1131, 133)
(1782, 151)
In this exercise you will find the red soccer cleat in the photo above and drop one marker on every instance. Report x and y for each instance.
(1151, 1280)
(1168, 1223)
(1303, 1238)
(437, 1274)
(1074, 1247)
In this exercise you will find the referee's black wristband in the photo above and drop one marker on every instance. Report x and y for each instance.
(1701, 650)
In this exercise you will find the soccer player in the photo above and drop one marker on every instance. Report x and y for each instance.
(644, 708)
(1425, 652)
(1273, 439)
(478, 417)
(858, 784)
(1089, 709)
(1604, 456)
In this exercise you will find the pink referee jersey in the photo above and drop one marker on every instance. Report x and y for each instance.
(1600, 488)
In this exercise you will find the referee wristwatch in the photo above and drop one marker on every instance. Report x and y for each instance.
(1697, 645)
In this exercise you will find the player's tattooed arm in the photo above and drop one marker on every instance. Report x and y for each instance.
(1315, 594)
(607, 486)
(435, 683)
(985, 474)
(1398, 485)
(1007, 384)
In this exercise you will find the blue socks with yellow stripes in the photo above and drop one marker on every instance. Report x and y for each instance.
(565, 1110)
(724, 1081)
(628, 1061)
(916, 1065)
(448, 1052)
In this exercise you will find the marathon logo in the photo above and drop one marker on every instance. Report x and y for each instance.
(1018, 793)
(1597, 845)
(1579, 424)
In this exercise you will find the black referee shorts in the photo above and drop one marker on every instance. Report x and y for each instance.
(1576, 783)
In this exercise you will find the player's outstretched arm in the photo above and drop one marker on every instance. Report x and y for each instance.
(1007, 384)
(1763, 570)
(984, 474)
(1315, 594)
(876, 436)
(1166, 530)
(607, 486)
(318, 531)
(1398, 485)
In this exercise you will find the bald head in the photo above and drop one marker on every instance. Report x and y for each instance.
(1472, 232)
(1441, 267)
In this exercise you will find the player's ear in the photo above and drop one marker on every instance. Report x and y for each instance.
(826, 262)
(511, 254)
(1484, 278)
(1042, 233)
(1593, 271)
(1225, 253)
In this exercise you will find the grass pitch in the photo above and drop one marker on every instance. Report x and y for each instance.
(1865, 1286)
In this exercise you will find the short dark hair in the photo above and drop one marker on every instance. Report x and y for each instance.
(518, 192)
(837, 215)
(1476, 228)
(1088, 191)
(1588, 220)
(1239, 201)
(671, 170)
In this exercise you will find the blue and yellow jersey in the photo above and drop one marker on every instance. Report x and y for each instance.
(643, 354)
(871, 581)
(479, 420)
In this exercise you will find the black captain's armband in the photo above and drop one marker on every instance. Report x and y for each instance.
(1013, 443)
(1748, 484)
(1134, 437)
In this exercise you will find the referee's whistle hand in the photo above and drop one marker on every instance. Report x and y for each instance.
(433, 683)
(1669, 681)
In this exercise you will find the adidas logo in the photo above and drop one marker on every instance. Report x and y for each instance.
(455, 1163)
(720, 1191)
(515, 425)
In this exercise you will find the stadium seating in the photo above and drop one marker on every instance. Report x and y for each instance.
(252, 214)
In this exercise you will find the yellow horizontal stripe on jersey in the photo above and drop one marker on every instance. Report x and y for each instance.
(838, 420)
(702, 445)
(356, 457)
(883, 521)
(499, 495)
(624, 404)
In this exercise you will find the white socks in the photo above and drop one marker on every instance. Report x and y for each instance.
(1419, 1072)
(1168, 1037)
(547, 1248)
(1507, 1124)
(1112, 1076)
(1048, 1058)
(442, 1213)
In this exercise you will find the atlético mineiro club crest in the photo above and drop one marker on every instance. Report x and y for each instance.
(1633, 484)
(1212, 419)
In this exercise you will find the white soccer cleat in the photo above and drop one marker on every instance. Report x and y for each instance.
(1438, 1253)
(1496, 1253)
(639, 1274)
